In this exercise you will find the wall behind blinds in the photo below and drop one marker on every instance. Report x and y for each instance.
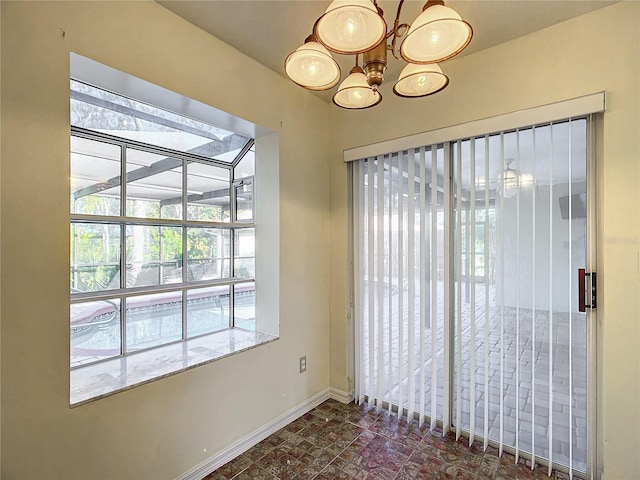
(478, 289)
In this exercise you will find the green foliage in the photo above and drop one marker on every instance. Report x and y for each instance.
(241, 272)
(95, 248)
(96, 205)
(205, 213)
(95, 255)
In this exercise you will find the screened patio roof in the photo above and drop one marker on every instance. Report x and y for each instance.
(97, 165)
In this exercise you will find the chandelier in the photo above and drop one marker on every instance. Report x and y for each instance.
(357, 27)
(510, 180)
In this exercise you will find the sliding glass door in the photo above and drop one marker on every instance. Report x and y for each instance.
(466, 261)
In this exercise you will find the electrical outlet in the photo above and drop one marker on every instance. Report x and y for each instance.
(303, 364)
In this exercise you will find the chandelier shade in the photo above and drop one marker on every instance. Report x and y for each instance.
(420, 80)
(438, 34)
(354, 92)
(311, 66)
(350, 26)
(526, 179)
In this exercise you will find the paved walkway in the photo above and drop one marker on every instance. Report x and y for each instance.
(523, 397)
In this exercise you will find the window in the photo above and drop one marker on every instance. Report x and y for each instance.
(168, 254)
(477, 249)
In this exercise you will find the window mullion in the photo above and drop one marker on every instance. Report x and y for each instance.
(185, 168)
(113, 139)
(152, 289)
(232, 247)
(232, 302)
(123, 249)
(232, 267)
(155, 222)
(232, 195)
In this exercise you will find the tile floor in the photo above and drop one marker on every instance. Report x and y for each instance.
(338, 441)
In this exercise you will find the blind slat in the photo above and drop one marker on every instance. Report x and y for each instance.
(458, 332)
(423, 284)
(434, 286)
(570, 307)
(411, 277)
(392, 194)
(518, 192)
(401, 193)
(370, 275)
(533, 311)
(486, 294)
(472, 300)
(501, 249)
(380, 282)
(550, 300)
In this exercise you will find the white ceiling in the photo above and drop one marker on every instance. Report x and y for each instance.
(269, 30)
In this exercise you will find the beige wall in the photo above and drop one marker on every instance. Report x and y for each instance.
(162, 429)
(595, 52)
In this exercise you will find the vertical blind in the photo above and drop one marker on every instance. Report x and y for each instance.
(465, 259)
(399, 281)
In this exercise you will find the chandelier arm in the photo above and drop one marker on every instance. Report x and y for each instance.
(395, 23)
(399, 32)
(395, 32)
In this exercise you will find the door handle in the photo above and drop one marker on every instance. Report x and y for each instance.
(583, 289)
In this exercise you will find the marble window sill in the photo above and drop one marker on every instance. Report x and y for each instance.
(92, 382)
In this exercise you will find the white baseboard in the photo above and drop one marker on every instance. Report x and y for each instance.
(223, 456)
(340, 395)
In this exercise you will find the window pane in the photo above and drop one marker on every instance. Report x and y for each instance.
(95, 331)
(208, 253)
(95, 257)
(207, 310)
(247, 166)
(208, 193)
(244, 306)
(95, 177)
(154, 185)
(108, 112)
(245, 252)
(154, 255)
(153, 320)
(244, 200)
